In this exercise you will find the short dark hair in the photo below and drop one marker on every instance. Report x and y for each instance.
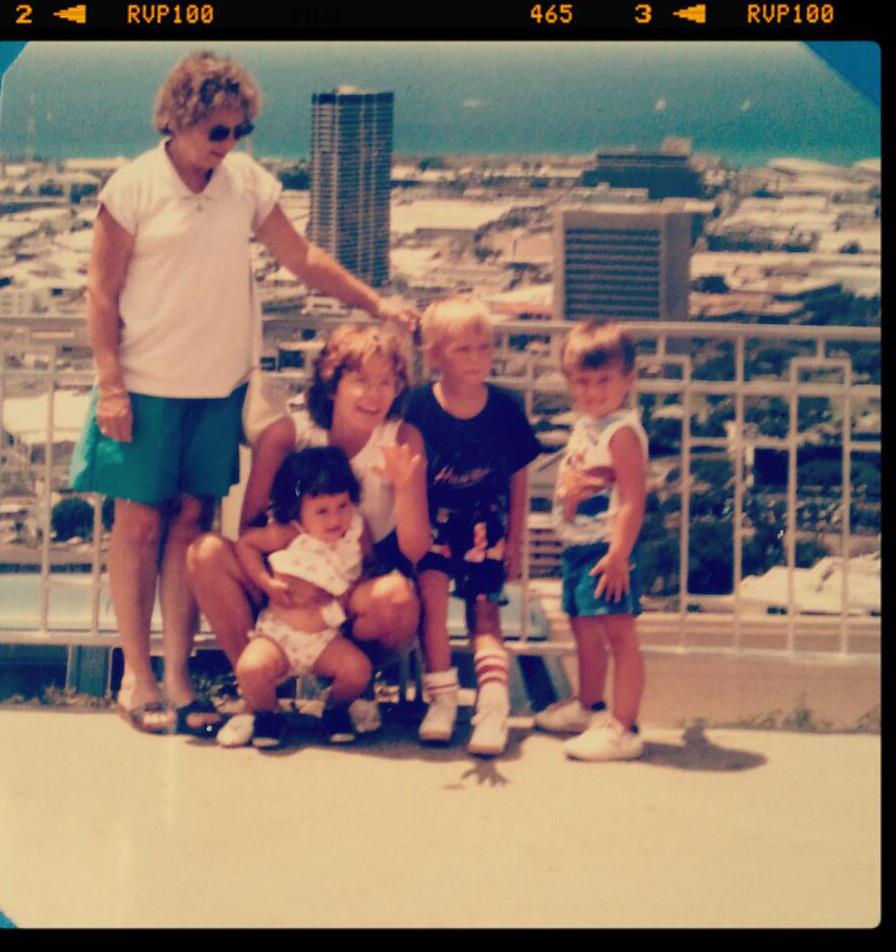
(595, 343)
(315, 471)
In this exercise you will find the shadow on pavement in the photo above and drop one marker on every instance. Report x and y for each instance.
(699, 753)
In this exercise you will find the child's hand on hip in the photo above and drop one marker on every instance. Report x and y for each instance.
(614, 577)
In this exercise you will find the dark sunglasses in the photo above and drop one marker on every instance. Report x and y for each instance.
(221, 133)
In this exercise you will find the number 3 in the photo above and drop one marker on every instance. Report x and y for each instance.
(643, 13)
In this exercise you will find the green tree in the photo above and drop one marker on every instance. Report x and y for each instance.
(772, 415)
(72, 517)
(710, 558)
(716, 472)
(659, 564)
(808, 552)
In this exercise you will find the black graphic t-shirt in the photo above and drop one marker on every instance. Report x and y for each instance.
(470, 462)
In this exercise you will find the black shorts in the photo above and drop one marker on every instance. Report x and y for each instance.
(469, 549)
(387, 557)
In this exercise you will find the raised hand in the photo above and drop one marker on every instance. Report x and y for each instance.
(401, 465)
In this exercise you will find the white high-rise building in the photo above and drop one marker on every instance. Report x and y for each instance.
(351, 169)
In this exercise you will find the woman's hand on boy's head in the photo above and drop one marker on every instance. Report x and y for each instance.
(394, 309)
(614, 577)
(401, 465)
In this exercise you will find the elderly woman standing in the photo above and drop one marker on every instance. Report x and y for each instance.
(169, 318)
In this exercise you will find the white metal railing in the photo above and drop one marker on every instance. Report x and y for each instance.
(667, 369)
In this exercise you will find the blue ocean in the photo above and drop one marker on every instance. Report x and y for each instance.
(746, 102)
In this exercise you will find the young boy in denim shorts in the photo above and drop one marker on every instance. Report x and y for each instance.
(598, 511)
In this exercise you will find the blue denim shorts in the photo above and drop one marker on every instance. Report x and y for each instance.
(578, 584)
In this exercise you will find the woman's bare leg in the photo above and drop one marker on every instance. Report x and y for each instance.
(133, 571)
(223, 591)
(385, 610)
(180, 615)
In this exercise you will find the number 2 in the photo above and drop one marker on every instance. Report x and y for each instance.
(23, 14)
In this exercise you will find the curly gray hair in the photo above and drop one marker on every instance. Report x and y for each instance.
(199, 84)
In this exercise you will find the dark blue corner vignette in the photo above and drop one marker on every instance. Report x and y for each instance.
(857, 62)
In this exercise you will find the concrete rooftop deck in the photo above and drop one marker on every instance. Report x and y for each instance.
(102, 826)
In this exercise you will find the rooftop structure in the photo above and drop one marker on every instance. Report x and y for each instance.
(665, 173)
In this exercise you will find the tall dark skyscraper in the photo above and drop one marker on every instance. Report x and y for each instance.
(351, 168)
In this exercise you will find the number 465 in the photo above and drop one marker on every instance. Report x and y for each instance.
(555, 13)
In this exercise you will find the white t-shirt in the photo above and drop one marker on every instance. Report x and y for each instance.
(377, 497)
(589, 449)
(185, 305)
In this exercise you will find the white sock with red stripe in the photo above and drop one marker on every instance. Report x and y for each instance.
(438, 683)
(492, 678)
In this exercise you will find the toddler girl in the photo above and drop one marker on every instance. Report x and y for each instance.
(314, 548)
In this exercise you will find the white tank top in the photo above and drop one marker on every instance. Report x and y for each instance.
(377, 498)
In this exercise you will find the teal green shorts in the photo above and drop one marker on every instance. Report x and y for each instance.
(179, 446)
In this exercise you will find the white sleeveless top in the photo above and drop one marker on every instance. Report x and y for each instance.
(377, 497)
(589, 449)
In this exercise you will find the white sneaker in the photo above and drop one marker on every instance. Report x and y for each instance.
(365, 715)
(438, 725)
(605, 739)
(490, 730)
(238, 731)
(565, 717)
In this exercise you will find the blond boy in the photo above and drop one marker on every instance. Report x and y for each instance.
(478, 443)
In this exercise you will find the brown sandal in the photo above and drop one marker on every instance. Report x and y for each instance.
(138, 718)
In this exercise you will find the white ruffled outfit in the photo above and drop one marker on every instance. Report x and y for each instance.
(332, 567)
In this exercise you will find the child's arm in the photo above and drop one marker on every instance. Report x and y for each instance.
(313, 608)
(516, 524)
(576, 485)
(251, 548)
(404, 466)
(366, 542)
(630, 467)
(273, 446)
